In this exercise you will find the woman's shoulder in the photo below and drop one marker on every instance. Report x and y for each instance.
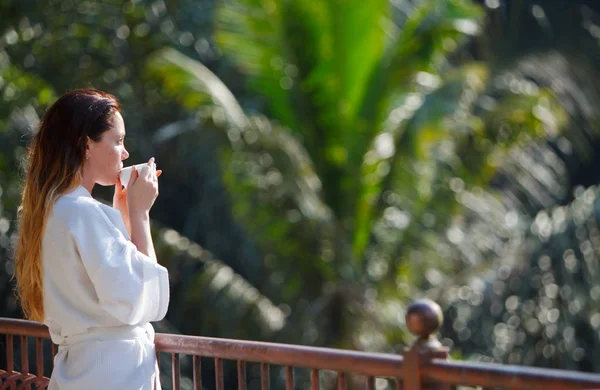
(77, 211)
(74, 207)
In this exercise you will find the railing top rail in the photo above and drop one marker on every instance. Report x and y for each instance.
(18, 327)
(507, 376)
(373, 364)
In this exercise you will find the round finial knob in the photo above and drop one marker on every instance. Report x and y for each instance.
(424, 317)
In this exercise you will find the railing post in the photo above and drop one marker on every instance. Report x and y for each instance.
(423, 318)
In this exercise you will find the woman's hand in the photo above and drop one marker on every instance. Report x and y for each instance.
(142, 189)
(120, 198)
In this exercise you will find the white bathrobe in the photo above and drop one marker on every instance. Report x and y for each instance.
(100, 293)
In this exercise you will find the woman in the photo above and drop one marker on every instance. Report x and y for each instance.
(87, 270)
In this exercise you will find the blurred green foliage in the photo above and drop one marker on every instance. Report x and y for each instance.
(339, 159)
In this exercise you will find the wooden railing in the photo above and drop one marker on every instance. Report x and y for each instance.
(424, 365)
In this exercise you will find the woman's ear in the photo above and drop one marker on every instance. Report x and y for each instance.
(88, 147)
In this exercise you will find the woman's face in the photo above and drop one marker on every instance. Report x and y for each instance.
(105, 156)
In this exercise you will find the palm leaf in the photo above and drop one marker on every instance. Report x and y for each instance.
(472, 157)
(255, 31)
(194, 85)
(323, 53)
(409, 136)
(337, 44)
(188, 80)
(274, 191)
(429, 33)
(25, 92)
(205, 287)
(416, 52)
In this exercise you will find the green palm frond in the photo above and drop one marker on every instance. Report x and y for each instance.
(337, 46)
(311, 60)
(255, 31)
(303, 48)
(25, 95)
(407, 72)
(275, 192)
(508, 121)
(408, 138)
(22, 91)
(431, 31)
(189, 80)
(193, 84)
(427, 193)
(205, 287)
(335, 63)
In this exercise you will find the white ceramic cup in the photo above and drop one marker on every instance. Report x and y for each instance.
(126, 173)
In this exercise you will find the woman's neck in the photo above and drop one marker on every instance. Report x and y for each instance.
(87, 183)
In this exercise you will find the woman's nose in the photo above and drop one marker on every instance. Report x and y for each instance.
(125, 154)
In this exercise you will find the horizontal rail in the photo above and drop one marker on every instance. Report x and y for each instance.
(18, 327)
(371, 364)
(507, 376)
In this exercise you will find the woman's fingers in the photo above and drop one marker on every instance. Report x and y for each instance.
(153, 172)
(133, 177)
(143, 194)
(149, 172)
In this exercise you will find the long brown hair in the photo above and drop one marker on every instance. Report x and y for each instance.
(54, 165)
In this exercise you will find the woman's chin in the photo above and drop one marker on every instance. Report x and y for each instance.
(107, 182)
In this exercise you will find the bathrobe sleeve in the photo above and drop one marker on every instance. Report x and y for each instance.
(131, 287)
